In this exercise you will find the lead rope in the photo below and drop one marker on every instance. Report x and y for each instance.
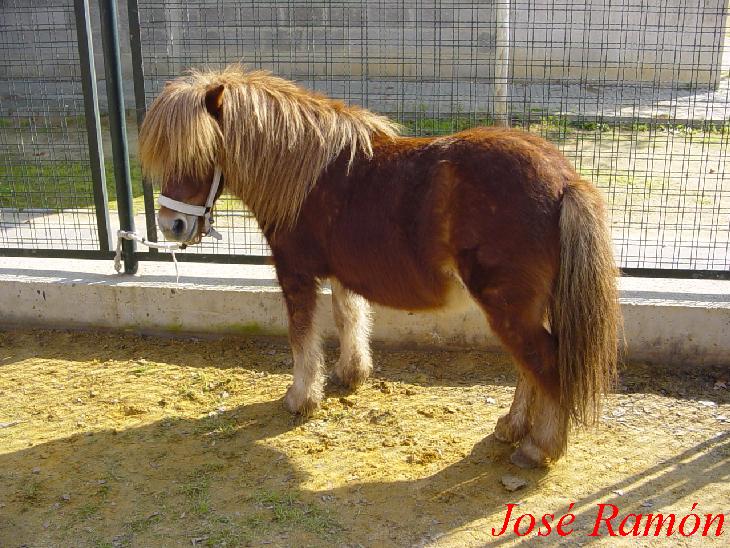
(167, 246)
(182, 207)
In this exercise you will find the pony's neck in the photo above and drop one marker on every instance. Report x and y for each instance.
(280, 139)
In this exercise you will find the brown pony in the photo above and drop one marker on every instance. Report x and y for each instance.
(403, 221)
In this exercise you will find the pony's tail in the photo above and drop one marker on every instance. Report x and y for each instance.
(584, 312)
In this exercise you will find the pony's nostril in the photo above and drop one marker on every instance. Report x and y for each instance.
(178, 225)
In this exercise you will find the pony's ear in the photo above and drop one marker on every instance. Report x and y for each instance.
(214, 99)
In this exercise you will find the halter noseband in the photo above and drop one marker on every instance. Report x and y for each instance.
(198, 211)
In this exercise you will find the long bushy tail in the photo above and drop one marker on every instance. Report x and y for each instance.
(584, 313)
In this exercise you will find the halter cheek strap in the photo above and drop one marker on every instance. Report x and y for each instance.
(198, 211)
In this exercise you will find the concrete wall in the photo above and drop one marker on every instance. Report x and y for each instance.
(682, 322)
(657, 41)
(373, 52)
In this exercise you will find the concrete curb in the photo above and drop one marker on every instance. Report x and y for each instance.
(679, 322)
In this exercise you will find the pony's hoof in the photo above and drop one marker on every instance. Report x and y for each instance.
(528, 455)
(521, 460)
(504, 431)
(299, 403)
(352, 377)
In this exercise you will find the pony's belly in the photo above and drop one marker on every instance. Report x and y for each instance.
(425, 292)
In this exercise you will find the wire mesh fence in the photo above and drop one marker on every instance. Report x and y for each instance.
(634, 92)
(46, 194)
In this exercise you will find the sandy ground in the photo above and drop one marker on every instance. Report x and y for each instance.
(122, 440)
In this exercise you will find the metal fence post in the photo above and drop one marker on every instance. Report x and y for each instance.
(135, 43)
(118, 127)
(93, 124)
(501, 65)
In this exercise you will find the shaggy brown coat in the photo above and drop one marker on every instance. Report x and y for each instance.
(402, 221)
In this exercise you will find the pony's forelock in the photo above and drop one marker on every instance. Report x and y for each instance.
(273, 139)
(178, 137)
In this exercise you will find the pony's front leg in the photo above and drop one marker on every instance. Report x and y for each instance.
(352, 317)
(305, 393)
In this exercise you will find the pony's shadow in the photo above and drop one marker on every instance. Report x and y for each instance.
(153, 479)
(157, 475)
(120, 484)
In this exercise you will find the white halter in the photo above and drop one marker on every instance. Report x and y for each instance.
(198, 211)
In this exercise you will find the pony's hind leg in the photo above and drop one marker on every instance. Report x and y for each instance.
(548, 436)
(516, 314)
(352, 317)
(513, 426)
(305, 392)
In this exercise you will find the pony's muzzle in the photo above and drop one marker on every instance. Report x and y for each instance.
(176, 226)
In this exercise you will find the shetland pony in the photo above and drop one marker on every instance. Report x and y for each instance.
(403, 221)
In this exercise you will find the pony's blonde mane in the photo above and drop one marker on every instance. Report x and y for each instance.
(273, 139)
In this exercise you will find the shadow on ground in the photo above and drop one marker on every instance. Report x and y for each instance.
(168, 480)
(250, 473)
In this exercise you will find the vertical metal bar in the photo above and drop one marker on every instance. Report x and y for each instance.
(721, 67)
(135, 42)
(117, 126)
(501, 65)
(93, 122)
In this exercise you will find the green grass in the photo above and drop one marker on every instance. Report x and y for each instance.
(217, 427)
(274, 512)
(29, 182)
(143, 367)
(47, 184)
(559, 124)
(196, 487)
(47, 124)
(140, 525)
(623, 181)
(31, 491)
(289, 512)
(443, 126)
(226, 536)
(87, 510)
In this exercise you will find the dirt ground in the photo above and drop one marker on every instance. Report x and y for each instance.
(123, 440)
